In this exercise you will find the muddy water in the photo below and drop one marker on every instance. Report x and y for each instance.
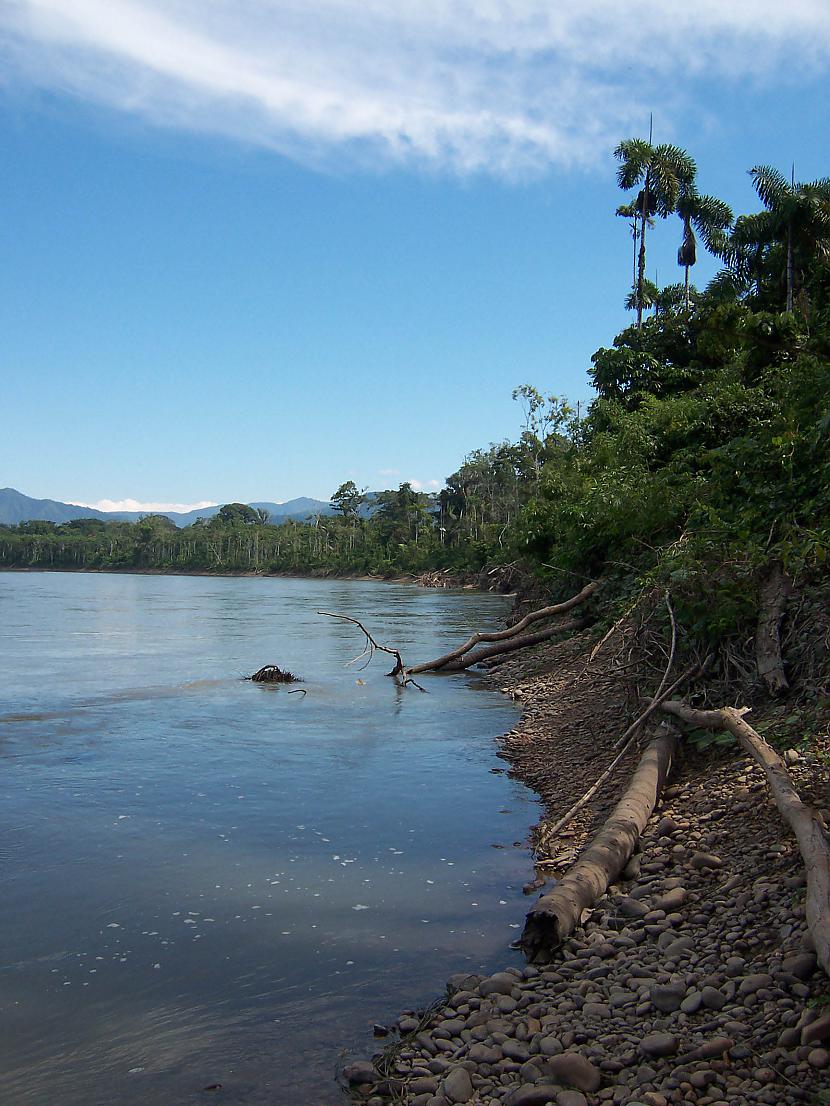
(207, 881)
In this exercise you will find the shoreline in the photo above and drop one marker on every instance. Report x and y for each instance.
(691, 982)
(405, 578)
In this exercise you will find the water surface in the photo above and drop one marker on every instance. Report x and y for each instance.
(210, 881)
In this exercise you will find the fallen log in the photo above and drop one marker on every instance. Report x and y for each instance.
(558, 913)
(524, 642)
(803, 820)
(772, 606)
(513, 633)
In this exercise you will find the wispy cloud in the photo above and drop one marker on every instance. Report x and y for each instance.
(503, 86)
(148, 508)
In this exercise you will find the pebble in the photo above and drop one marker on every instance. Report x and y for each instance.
(457, 1086)
(658, 1044)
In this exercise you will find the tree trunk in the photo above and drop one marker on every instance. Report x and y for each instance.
(790, 268)
(772, 605)
(558, 913)
(641, 268)
(803, 820)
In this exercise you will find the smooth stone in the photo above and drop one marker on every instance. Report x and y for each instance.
(713, 999)
(533, 1094)
(551, 1046)
(457, 1086)
(423, 1084)
(819, 1030)
(571, 1098)
(360, 1071)
(502, 983)
(668, 997)
(631, 908)
(691, 1003)
(753, 983)
(658, 1044)
(672, 900)
(408, 1025)
(802, 965)
(706, 860)
(573, 1068)
(818, 1058)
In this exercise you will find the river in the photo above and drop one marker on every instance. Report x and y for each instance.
(208, 881)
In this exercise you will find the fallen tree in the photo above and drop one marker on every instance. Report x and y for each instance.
(557, 913)
(508, 640)
(803, 820)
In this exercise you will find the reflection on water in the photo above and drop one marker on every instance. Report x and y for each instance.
(211, 881)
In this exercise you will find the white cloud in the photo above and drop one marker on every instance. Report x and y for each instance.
(426, 485)
(504, 86)
(148, 508)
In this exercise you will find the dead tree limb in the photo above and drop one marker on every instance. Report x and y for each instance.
(461, 665)
(558, 913)
(399, 672)
(449, 662)
(802, 819)
(772, 606)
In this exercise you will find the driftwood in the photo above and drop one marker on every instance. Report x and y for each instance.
(466, 655)
(558, 913)
(803, 820)
(271, 674)
(512, 638)
(772, 606)
(400, 673)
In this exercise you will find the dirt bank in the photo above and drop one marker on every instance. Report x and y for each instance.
(691, 981)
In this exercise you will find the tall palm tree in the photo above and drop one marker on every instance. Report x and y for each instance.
(663, 172)
(787, 237)
(707, 215)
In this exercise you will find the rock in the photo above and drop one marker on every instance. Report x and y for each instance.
(571, 1098)
(676, 948)
(457, 1085)
(753, 983)
(691, 1003)
(705, 860)
(551, 1046)
(716, 1046)
(481, 1053)
(631, 908)
(574, 1069)
(533, 1094)
(668, 997)
(713, 999)
(819, 1030)
(423, 1084)
(502, 983)
(515, 1050)
(672, 900)
(666, 827)
(658, 1044)
(818, 1058)
(407, 1024)
(802, 965)
(791, 757)
(360, 1071)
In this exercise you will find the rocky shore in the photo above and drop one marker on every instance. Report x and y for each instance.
(692, 980)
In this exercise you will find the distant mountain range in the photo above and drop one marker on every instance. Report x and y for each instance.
(16, 507)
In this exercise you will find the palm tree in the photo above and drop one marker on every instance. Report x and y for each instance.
(787, 237)
(710, 217)
(663, 172)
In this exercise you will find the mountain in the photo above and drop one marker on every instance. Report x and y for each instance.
(16, 507)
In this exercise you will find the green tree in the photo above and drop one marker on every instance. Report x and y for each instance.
(348, 500)
(663, 172)
(782, 244)
(711, 218)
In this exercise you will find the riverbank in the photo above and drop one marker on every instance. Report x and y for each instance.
(691, 980)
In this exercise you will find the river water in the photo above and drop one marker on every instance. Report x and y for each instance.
(208, 881)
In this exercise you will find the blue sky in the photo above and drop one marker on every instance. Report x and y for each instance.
(252, 248)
